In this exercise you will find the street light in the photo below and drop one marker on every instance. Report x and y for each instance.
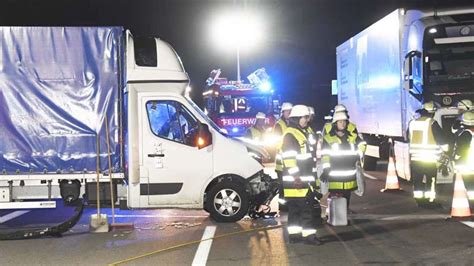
(237, 31)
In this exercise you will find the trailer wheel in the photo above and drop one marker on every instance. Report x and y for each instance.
(227, 202)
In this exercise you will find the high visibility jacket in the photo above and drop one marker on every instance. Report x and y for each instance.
(312, 144)
(339, 158)
(423, 145)
(464, 151)
(351, 127)
(297, 164)
(279, 128)
(254, 133)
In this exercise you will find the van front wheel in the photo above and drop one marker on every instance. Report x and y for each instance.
(227, 202)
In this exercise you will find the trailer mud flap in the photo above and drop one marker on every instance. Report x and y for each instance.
(56, 230)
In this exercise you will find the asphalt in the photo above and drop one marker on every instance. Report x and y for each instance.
(385, 228)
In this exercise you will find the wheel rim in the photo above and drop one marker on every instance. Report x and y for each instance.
(227, 202)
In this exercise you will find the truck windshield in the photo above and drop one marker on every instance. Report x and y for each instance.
(238, 105)
(450, 66)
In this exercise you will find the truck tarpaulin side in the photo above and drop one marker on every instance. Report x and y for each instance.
(54, 101)
(369, 79)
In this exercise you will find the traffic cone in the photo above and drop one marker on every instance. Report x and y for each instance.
(391, 182)
(460, 208)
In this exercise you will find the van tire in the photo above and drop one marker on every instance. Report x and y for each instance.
(231, 194)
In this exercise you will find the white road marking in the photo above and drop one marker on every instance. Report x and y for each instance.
(385, 217)
(204, 247)
(469, 223)
(158, 216)
(370, 176)
(11, 216)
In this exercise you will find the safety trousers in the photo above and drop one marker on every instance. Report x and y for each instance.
(418, 171)
(300, 218)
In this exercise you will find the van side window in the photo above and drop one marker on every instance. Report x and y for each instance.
(170, 120)
(145, 52)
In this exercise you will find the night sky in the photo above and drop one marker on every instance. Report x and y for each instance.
(299, 43)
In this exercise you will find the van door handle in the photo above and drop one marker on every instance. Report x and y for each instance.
(156, 155)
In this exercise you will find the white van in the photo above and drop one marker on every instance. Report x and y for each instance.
(171, 156)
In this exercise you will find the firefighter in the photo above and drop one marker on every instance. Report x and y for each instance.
(351, 127)
(312, 138)
(462, 106)
(341, 153)
(464, 152)
(282, 123)
(278, 129)
(257, 131)
(425, 136)
(298, 179)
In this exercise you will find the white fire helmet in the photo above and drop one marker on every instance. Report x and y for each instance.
(260, 115)
(429, 106)
(286, 106)
(465, 104)
(468, 118)
(340, 108)
(299, 111)
(341, 115)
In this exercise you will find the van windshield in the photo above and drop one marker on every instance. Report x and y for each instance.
(208, 120)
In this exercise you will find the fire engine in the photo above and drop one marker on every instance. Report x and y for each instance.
(232, 105)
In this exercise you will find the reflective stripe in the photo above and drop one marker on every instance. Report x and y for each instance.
(293, 170)
(430, 195)
(425, 158)
(343, 185)
(308, 178)
(295, 193)
(281, 201)
(288, 178)
(278, 157)
(288, 163)
(339, 152)
(315, 169)
(342, 173)
(308, 232)
(302, 157)
(289, 154)
(418, 194)
(326, 165)
(294, 229)
(424, 151)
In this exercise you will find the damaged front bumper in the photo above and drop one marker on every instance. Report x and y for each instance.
(262, 189)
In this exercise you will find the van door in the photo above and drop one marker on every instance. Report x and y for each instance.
(177, 170)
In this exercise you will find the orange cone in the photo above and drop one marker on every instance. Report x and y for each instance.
(391, 182)
(460, 207)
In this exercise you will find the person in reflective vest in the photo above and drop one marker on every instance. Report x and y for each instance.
(312, 138)
(257, 131)
(298, 178)
(425, 136)
(464, 153)
(462, 106)
(351, 127)
(278, 129)
(341, 152)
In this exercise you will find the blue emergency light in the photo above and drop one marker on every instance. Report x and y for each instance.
(265, 86)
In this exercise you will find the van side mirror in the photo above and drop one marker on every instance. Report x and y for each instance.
(204, 136)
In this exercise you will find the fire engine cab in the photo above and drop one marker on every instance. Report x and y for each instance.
(233, 105)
